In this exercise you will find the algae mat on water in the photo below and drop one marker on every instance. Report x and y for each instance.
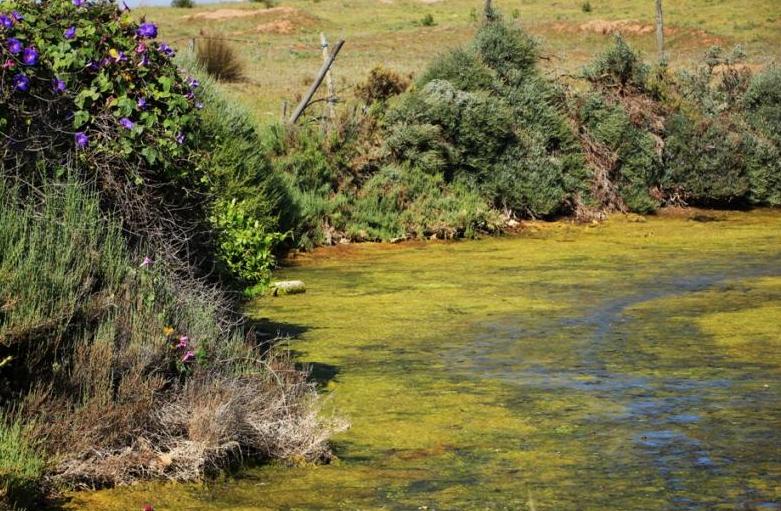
(622, 366)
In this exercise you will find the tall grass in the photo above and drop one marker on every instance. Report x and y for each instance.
(21, 466)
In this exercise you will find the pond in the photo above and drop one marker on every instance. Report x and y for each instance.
(630, 365)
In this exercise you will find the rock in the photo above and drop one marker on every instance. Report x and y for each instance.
(288, 287)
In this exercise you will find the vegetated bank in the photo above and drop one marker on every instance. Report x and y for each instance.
(129, 211)
(481, 139)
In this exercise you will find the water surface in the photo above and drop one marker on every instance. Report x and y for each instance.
(624, 366)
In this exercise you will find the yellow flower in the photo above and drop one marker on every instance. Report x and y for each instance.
(113, 53)
(168, 331)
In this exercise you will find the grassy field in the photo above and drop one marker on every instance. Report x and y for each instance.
(281, 46)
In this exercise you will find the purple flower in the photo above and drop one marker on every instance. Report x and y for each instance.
(59, 86)
(17, 15)
(144, 62)
(166, 50)
(188, 356)
(30, 56)
(199, 105)
(81, 139)
(79, 3)
(21, 82)
(70, 33)
(147, 30)
(180, 138)
(141, 48)
(184, 341)
(8, 64)
(6, 21)
(147, 261)
(193, 83)
(14, 46)
(141, 103)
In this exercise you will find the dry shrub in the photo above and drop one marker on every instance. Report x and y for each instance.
(381, 85)
(219, 59)
(201, 427)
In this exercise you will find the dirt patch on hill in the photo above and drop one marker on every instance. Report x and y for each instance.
(636, 28)
(227, 14)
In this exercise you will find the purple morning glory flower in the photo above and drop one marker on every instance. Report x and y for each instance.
(70, 33)
(30, 56)
(193, 83)
(144, 62)
(17, 15)
(147, 30)
(6, 21)
(21, 82)
(166, 50)
(81, 139)
(128, 125)
(180, 138)
(79, 3)
(14, 46)
(141, 48)
(59, 85)
(141, 103)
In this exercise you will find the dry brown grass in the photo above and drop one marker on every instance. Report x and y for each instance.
(195, 430)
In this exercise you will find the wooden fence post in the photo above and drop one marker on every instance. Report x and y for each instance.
(316, 84)
(660, 30)
(329, 80)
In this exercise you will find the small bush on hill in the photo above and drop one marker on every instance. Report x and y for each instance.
(381, 85)
(620, 67)
(218, 58)
(183, 4)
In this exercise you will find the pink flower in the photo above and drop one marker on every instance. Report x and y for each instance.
(188, 356)
(183, 342)
(147, 262)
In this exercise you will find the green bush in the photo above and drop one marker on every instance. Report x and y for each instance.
(460, 67)
(620, 66)
(183, 4)
(637, 166)
(482, 114)
(509, 51)
(400, 202)
(428, 20)
(706, 160)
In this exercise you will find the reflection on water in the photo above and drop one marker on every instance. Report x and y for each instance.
(634, 367)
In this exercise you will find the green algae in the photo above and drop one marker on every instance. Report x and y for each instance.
(624, 365)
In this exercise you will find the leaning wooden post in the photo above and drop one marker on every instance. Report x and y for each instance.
(488, 11)
(319, 80)
(329, 80)
(660, 30)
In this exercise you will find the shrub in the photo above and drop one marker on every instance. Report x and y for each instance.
(381, 85)
(462, 68)
(509, 51)
(619, 67)
(634, 166)
(183, 4)
(402, 202)
(706, 160)
(586, 7)
(428, 20)
(218, 58)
